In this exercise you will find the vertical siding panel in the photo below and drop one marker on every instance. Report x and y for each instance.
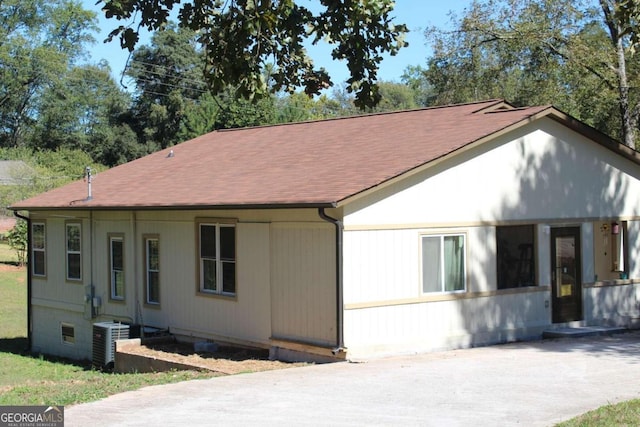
(303, 282)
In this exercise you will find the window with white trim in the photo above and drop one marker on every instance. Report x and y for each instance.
(74, 251)
(116, 266)
(217, 255)
(443, 263)
(38, 249)
(152, 269)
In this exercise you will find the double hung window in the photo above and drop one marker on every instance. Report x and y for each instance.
(116, 266)
(152, 269)
(38, 249)
(74, 251)
(217, 258)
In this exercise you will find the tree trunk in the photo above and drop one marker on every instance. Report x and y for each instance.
(629, 119)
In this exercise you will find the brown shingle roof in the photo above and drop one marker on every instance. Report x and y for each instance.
(304, 164)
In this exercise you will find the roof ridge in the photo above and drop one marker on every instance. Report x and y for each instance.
(359, 116)
(517, 109)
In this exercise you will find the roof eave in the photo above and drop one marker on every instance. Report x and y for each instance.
(300, 205)
(594, 134)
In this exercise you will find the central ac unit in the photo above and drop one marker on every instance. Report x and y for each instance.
(105, 335)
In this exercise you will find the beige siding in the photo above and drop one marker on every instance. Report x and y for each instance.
(303, 283)
(104, 225)
(47, 334)
(245, 317)
(184, 311)
(54, 287)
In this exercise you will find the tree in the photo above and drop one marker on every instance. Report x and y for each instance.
(621, 20)
(86, 109)
(573, 54)
(18, 241)
(168, 80)
(38, 41)
(396, 96)
(239, 112)
(413, 76)
(240, 38)
(172, 101)
(199, 118)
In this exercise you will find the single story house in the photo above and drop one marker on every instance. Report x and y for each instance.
(356, 237)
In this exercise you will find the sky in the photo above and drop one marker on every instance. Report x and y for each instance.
(416, 14)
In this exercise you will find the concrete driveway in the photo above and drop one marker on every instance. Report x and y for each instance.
(527, 384)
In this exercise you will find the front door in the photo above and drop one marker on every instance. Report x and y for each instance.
(566, 288)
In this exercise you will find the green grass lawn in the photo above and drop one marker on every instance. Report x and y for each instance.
(623, 414)
(7, 255)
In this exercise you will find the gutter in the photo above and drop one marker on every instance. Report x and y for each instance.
(339, 281)
(29, 279)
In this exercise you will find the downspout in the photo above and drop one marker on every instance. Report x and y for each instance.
(95, 308)
(29, 279)
(339, 281)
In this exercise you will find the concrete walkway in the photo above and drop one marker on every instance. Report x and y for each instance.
(526, 384)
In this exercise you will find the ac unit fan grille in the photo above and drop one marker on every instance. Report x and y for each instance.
(105, 335)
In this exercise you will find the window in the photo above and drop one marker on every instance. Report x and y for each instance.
(116, 266)
(152, 269)
(217, 254)
(619, 247)
(68, 333)
(73, 246)
(38, 249)
(443, 263)
(515, 247)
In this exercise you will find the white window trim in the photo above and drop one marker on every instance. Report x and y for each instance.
(218, 260)
(442, 260)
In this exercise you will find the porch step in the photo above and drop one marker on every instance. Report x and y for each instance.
(582, 331)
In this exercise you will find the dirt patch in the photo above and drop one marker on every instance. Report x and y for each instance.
(10, 267)
(226, 360)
